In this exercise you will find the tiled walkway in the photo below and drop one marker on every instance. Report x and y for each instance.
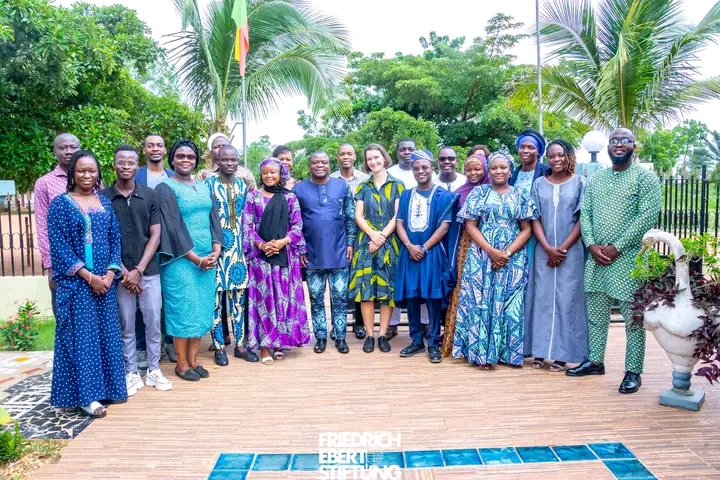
(285, 408)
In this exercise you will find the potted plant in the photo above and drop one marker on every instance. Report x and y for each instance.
(681, 307)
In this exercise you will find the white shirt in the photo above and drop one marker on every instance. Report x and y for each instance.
(459, 181)
(407, 177)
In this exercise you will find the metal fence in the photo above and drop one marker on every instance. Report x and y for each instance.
(689, 206)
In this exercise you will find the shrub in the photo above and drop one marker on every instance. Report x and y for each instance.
(11, 445)
(18, 332)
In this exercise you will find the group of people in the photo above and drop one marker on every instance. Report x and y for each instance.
(496, 265)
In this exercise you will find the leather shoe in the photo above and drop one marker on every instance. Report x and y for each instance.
(320, 345)
(586, 368)
(221, 359)
(342, 346)
(369, 345)
(247, 355)
(391, 332)
(434, 355)
(411, 350)
(384, 344)
(631, 383)
(360, 332)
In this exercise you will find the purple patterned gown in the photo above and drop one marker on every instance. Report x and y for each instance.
(277, 315)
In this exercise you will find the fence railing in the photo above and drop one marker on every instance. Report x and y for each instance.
(689, 206)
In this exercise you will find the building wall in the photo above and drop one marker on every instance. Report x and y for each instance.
(19, 289)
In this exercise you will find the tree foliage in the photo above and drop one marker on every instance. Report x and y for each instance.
(69, 69)
(684, 148)
(631, 63)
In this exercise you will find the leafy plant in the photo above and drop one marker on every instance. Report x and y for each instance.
(11, 445)
(658, 276)
(18, 332)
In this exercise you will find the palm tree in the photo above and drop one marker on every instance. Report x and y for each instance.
(631, 63)
(294, 50)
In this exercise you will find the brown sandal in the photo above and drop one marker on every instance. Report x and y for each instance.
(538, 363)
(558, 366)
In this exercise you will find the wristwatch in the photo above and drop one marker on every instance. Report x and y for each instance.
(508, 253)
(423, 249)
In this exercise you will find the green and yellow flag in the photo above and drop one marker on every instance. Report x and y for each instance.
(242, 36)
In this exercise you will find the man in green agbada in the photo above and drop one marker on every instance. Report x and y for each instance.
(620, 205)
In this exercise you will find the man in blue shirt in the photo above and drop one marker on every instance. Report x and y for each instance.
(329, 228)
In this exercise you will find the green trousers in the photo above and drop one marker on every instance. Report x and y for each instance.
(599, 321)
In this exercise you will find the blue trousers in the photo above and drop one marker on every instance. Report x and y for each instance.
(338, 280)
(434, 307)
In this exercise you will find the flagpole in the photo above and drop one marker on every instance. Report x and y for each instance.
(244, 121)
(539, 67)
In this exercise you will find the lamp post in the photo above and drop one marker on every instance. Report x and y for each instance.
(593, 142)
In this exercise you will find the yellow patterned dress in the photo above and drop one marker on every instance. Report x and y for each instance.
(373, 274)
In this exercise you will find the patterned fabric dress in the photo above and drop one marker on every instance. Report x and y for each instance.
(277, 317)
(88, 363)
(188, 291)
(489, 326)
(372, 276)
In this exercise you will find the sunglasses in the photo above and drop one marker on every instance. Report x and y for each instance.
(447, 159)
(621, 141)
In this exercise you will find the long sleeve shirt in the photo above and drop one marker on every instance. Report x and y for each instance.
(47, 188)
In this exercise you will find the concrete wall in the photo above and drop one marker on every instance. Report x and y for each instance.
(19, 289)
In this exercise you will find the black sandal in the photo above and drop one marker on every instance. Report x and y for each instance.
(189, 375)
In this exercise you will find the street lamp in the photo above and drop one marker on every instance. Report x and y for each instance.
(593, 142)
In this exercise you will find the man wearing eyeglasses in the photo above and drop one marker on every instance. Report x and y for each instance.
(137, 209)
(620, 204)
(449, 178)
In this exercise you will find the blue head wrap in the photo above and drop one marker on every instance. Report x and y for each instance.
(505, 156)
(422, 155)
(534, 138)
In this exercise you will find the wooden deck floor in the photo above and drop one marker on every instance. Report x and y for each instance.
(283, 408)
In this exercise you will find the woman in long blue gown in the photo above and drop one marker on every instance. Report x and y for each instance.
(85, 249)
(489, 326)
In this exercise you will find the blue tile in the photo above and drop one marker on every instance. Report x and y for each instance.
(628, 469)
(574, 453)
(228, 475)
(498, 456)
(234, 461)
(467, 456)
(423, 459)
(271, 462)
(385, 459)
(536, 454)
(308, 462)
(611, 451)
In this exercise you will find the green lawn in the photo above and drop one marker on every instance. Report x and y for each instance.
(45, 340)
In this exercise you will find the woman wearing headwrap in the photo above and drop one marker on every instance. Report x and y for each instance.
(214, 143)
(489, 326)
(273, 242)
(531, 147)
(477, 173)
(190, 244)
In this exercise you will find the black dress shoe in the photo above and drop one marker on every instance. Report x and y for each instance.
(631, 383)
(434, 355)
(391, 332)
(320, 345)
(360, 332)
(586, 368)
(221, 359)
(342, 346)
(247, 355)
(411, 350)
(189, 374)
(369, 345)
(384, 344)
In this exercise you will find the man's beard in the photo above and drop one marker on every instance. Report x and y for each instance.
(621, 159)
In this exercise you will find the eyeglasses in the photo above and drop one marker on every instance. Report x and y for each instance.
(182, 156)
(447, 159)
(620, 141)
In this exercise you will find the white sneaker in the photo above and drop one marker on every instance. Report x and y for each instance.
(155, 378)
(134, 383)
(142, 362)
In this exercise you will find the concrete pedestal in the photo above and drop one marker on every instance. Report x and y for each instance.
(687, 399)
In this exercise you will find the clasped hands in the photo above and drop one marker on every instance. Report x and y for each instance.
(377, 240)
(603, 254)
(206, 263)
(100, 285)
(499, 258)
(273, 247)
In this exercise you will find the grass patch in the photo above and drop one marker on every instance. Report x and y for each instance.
(45, 339)
(35, 454)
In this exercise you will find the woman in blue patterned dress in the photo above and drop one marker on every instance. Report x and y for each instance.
(489, 325)
(85, 250)
(190, 246)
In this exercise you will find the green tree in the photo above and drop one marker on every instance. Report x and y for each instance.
(684, 147)
(257, 152)
(660, 149)
(294, 50)
(629, 63)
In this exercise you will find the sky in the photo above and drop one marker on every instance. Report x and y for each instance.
(392, 26)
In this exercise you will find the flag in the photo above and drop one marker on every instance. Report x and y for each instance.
(242, 36)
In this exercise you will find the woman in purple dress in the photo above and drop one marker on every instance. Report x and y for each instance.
(273, 242)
